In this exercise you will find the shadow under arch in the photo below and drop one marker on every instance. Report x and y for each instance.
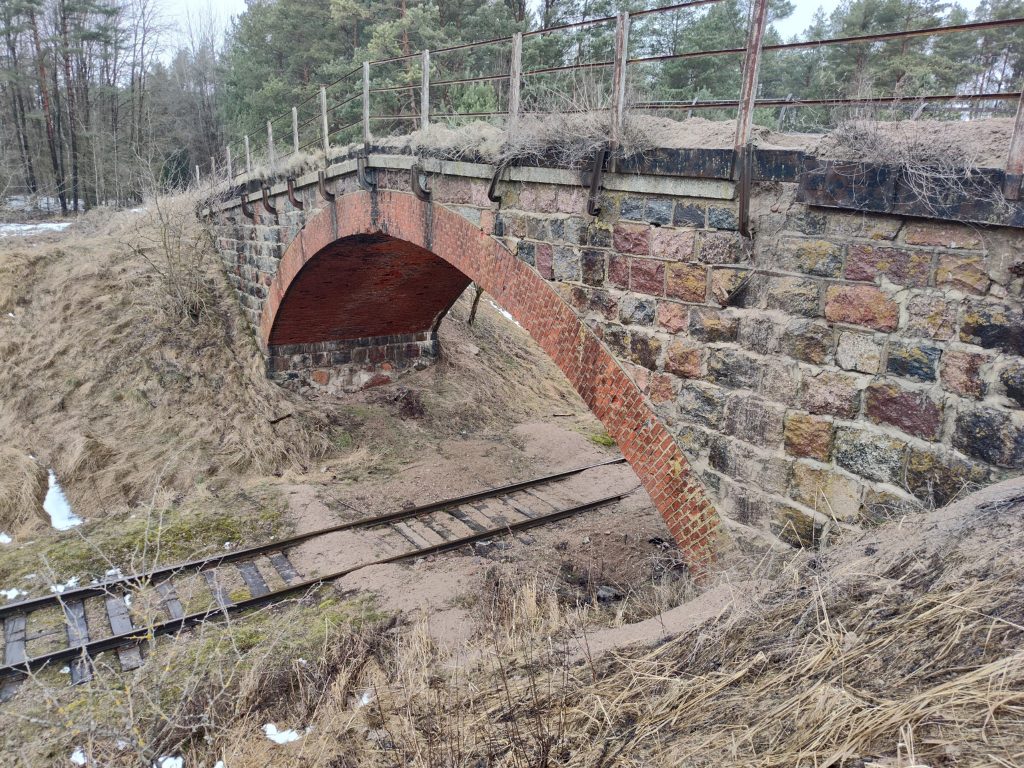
(437, 247)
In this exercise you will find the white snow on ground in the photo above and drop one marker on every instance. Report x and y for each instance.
(56, 506)
(78, 757)
(31, 203)
(504, 313)
(69, 584)
(169, 762)
(280, 737)
(4, 538)
(23, 230)
(365, 698)
(11, 594)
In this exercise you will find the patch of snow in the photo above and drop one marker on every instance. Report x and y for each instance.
(32, 576)
(69, 584)
(78, 757)
(219, 764)
(122, 744)
(65, 670)
(504, 313)
(169, 762)
(366, 698)
(12, 594)
(57, 507)
(280, 737)
(23, 230)
(4, 538)
(228, 544)
(127, 601)
(11, 315)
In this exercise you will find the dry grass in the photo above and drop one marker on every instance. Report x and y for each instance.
(23, 484)
(124, 381)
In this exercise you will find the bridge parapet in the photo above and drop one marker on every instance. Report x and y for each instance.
(834, 367)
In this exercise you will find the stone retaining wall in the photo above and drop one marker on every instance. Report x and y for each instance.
(836, 368)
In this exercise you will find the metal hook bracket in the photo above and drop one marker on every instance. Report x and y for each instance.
(746, 174)
(247, 210)
(492, 190)
(362, 163)
(271, 209)
(421, 190)
(596, 174)
(296, 203)
(321, 183)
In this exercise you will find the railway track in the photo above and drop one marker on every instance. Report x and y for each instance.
(75, 625)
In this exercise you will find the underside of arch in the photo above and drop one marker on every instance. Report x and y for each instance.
(383, 267)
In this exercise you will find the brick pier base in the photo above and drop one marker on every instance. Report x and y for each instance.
(352, 364)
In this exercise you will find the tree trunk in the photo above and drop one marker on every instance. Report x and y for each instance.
(44, 95)
(69, 86)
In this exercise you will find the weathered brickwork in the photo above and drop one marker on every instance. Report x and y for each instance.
(836, 368)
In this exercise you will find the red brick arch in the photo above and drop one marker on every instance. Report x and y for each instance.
(591, 369)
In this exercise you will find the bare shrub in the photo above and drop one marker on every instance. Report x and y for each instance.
(933, 168)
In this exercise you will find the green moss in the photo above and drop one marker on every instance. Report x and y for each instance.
(601, 438)
(123, 540)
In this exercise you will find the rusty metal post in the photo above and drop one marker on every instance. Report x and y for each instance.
(1015, 157)
(271, 153)
(425, 91)
(295, 129)
(515, 79)
(748, 90)
(619, 79)
(231, 173)
(248, 156)
(366, 104)
(323, 120)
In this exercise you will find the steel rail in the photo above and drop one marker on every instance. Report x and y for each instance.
(733, 103)
(567, 67)
(669, 8)
(95, 647)
(338, 105)
(481, 79)
(385, 88)
(464, 46)
(204, 564)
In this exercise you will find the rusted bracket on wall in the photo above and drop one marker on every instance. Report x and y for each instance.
(272, 210)
(362, 174)
(296, 203)
(492, 189)
(596, 175)
(419, 189)
(321, 183)
(745, 170)
(247, 210)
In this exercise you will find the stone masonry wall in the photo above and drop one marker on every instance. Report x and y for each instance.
(866, 365)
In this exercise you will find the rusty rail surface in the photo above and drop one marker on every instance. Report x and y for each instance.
(430, 528)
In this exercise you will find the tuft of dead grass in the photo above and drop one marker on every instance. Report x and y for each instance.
(23, 485)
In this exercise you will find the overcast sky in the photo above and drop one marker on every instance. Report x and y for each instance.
(178, 11)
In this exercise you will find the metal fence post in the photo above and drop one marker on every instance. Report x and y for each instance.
(231, 173)
(425, 91)
(366, 104)
(751, 62)
(1015, 157)
(248, 156)
(619, 78)
(323, 120)
(271, 153)
(295, 129)
(515, 79)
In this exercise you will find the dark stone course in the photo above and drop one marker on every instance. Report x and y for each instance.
(1012, 379)
(731, 368)
(870, 455)
(689, 216)
(702, 403)
(914, 361)
(991, 436)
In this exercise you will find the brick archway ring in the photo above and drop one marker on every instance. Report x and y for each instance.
(591, 369)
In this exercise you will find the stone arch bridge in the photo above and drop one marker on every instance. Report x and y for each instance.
(810, 348)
